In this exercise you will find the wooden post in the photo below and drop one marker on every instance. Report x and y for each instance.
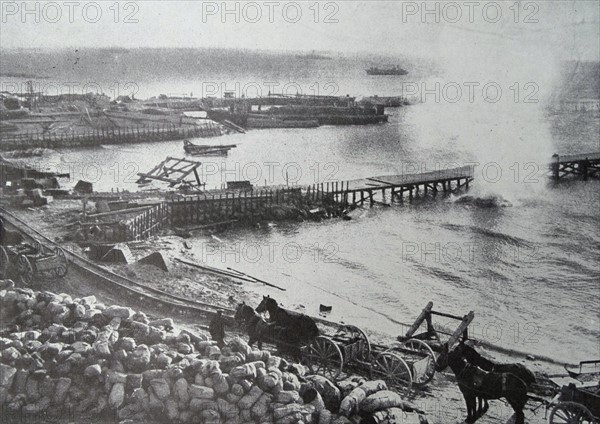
(584, 169)
(556, 167)
(422, 316)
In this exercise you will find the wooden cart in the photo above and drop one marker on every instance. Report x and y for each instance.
(435, 339)
(350, 351)
(26, 262)
(578, 397)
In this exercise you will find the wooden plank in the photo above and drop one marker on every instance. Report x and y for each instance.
(121, 211)
(462, 328)
(426, 311)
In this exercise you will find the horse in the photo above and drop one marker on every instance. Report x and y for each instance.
(475, 358)
(302, 329)
(258, 329)
(474, 382)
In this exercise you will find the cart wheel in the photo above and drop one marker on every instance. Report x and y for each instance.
(4, 261)
(354, 332)
(570, 413)
(63, 265)
(24, 269)
(324, 357)
(421, 359)
(393, 369)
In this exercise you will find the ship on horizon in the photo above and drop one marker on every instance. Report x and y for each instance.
(313, 55)
(394, 70)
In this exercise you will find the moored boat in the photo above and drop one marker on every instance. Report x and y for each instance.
(394, 70)
(205, 149)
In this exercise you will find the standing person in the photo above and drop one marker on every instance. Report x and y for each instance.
(216, 329)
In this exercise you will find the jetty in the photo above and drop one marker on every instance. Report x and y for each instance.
(358, 192)
(585, 165)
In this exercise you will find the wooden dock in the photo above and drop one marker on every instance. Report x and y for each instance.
(359, 192)
(584, 165)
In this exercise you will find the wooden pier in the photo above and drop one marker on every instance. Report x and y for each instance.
(358, 192)
(584, 165)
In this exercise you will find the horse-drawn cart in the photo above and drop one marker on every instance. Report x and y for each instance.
(432, 336)
(578, 396)
(29, 261)
(349, 350)
(344, 349)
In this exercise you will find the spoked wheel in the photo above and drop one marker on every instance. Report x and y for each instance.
(24, 269)
(354, 333)
(4, 262)
(391, 368)
(63, 265)
(420, 358)
(323, 357)
(571, 413)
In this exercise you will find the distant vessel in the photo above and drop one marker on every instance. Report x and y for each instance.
(313, 56)
(206, 150)
(394, 70)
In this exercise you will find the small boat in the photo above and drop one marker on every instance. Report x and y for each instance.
(205, 149)
(395, 70)
(313, 56)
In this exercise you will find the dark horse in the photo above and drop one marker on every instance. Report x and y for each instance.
(474, 382)
(302, 329)
(257, 328)
(475, 358)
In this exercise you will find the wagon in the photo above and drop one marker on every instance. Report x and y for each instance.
(29, 261)
(578, 400)
(349, 350)
(436, 338)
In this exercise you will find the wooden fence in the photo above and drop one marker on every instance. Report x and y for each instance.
(147, 223)
(209, 208)
(139, 227)
(97, 136)
(190, 210)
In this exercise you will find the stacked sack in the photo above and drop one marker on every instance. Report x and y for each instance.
(76, 357)
(375, 404)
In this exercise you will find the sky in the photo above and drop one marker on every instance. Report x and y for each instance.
(422, 28)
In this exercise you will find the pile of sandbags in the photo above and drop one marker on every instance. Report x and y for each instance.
(375, 404)
(76, 357)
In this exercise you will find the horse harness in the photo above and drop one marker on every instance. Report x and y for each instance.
(480, 374)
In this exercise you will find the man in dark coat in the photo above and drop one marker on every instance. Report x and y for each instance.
(216, 329)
